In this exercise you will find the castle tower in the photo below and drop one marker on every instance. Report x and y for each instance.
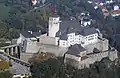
(54, 23)
(116, 7)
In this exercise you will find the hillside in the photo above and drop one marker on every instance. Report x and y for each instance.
(55, 68)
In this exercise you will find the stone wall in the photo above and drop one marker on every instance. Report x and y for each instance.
(34, 47)
(47, 40)
(92, 58)
(58, 51)
(31, 47)
(101, 45)
(113, 55)
(46, 44)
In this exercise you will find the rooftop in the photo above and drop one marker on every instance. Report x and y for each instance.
(27, 34)
(75, 49)
(73, 26)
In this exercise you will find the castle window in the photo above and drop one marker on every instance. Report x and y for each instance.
(82, 42)
(51, 19)
(55, 23)
(95, 34)
(90, 38)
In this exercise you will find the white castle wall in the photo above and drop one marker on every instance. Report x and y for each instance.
(47, 40)
(101, 45)
(32, 47)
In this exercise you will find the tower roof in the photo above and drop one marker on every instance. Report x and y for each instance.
(76, 49)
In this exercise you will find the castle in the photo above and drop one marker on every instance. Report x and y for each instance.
(86, 44)
(79, 43)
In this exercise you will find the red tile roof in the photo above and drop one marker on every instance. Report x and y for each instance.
(115, 12)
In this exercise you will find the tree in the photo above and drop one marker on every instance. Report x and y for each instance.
(46, 69)
(5, 74)
(55, 68)
(3, 29)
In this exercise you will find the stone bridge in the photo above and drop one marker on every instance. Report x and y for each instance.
(13, 53)
(13, 50)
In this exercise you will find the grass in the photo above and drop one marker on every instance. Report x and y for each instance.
(3, 11)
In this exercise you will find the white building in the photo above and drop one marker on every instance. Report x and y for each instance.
(85, 44)
(116, 7)
(28, 40)
(71, 32)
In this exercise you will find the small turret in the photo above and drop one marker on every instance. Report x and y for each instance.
(85, 19)
(116, 7)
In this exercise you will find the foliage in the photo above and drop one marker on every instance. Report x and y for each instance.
(12, 34)
(46, 69)
(5, 74)
(3, 29)
(17, 15)
(55, 68)
(4, 11)
(4, 65)
(2, 44)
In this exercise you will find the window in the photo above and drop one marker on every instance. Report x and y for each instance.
(95, 34)
(63, 43)
(82, 42)
(51, 19)
(55, 23)
(90, 38)
(70, 35)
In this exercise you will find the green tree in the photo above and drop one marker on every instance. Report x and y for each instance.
(5, 74)
(46, 69)
(3, 29)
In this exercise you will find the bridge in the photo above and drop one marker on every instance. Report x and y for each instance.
(13, 53)
(13, 50)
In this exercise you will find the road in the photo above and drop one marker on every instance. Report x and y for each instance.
(17, 69)
(36, 8)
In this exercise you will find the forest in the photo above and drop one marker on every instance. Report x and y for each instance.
(17, 16)
(54, 67)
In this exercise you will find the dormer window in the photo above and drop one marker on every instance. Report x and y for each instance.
(82, 42)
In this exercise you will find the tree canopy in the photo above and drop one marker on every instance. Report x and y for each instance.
(55, 68)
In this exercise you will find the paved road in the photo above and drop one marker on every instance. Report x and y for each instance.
(19, 69)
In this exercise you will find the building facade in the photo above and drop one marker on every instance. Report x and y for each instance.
(85, 44)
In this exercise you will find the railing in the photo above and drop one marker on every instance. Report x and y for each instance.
(15, 59)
